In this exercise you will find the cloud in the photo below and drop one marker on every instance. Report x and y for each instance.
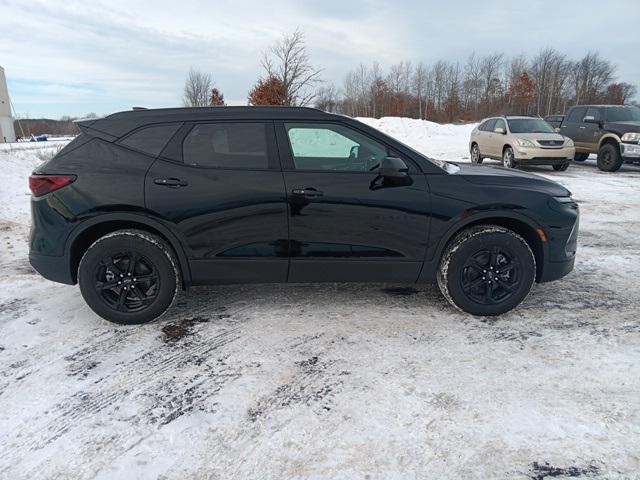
(73, 57)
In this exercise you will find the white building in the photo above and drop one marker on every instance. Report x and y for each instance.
(7, 134)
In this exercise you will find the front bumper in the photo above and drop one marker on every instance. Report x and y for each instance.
(544, 156)
(630, 151)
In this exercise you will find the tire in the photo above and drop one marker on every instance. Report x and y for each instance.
(476, 157)
(561, 167)
(509, 158)
(609, 158)
(466, 277)
(129, 277)
(581, 157)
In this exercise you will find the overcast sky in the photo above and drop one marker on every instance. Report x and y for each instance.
(72, 57)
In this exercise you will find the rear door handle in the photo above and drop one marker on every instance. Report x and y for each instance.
(171, 182)
(307, 192)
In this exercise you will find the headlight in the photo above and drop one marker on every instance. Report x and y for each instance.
(568, 142)
(523, 142)
(631, 137)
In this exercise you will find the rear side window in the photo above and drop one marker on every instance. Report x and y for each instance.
(576, 115)
(151, 140)
(227, 145)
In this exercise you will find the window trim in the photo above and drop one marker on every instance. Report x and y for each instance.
(286, 157)
(272, 150)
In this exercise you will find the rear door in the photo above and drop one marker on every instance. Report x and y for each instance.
(220, 187)
(573, 126)
(346, 223)
(485, 132)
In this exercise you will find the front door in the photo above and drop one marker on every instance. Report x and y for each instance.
(219, 186)
(345, 222)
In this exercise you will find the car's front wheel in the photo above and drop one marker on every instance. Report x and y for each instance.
(609, 158)
(476, 157)
(509, 158)
(581, 157)
(486, 270)
(129, 277)
(561, 167)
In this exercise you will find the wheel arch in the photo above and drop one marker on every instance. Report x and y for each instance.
(610, 138)
(517, 223)
(91, 230)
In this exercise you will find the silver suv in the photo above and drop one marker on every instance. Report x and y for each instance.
(520, 140)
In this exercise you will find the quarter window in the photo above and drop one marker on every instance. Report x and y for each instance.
(227, 145)
(333, 147)
(151, 140)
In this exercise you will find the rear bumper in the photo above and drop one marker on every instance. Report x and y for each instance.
(52, 268)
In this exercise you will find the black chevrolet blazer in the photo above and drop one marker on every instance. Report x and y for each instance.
(145, 202)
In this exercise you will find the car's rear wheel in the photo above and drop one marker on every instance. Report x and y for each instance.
(561, 167)
(509, 158)
(128, 277)
(580, 157)
(486, 270)
(609, 158)
(476, 157)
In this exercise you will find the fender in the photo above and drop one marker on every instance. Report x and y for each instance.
(434, 252)
(607, 136)
(143, 219)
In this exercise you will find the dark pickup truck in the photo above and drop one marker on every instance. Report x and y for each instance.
(610, 131)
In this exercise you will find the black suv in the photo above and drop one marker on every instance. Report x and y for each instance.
(145, 202)
(611, 131)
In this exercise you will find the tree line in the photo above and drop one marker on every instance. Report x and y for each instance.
(445, 91)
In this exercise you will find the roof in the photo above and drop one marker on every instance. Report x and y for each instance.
(117, 124)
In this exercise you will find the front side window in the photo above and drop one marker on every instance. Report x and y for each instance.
(488, 125)
(500, 124)
(151, 140)
(529, 125)
(227, 145)
(333, 147)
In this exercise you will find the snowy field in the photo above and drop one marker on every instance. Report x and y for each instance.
(331, 381)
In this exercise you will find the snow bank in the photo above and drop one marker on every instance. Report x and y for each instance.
(444, 142)
(15, 167)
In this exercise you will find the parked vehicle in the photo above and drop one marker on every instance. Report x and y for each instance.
(145, 202)
(518, 140)
(611, 131)
(554, 120)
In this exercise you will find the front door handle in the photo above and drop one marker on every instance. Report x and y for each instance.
(171, 182)
(307, 192)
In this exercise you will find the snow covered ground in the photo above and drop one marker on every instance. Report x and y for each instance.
(331, 381)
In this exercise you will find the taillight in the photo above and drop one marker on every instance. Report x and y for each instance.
(43, 184)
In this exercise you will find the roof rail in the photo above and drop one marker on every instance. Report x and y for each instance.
(139, 108)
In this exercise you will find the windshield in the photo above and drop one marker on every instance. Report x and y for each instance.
(529, 125)
(623, 114)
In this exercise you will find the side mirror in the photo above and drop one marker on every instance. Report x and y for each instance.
(393, 167)
(499, 130)
(590, 119)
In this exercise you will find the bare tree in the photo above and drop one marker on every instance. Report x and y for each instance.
(197, 89)
(288, 61)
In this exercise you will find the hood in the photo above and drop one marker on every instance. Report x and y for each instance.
(499, 176)
(623, 127)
